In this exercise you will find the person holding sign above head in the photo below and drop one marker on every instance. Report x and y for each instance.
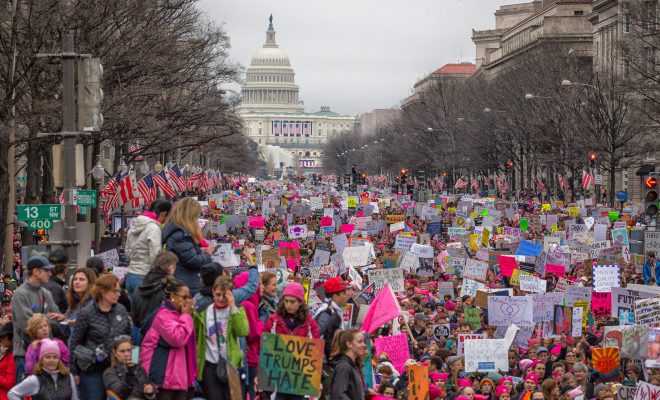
(292, 317)
(219, 355)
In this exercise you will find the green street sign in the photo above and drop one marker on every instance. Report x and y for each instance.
(87, 198)
(83, 211)
(40, 224)
(32, 212)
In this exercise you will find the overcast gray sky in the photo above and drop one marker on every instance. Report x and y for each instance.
(356, 55)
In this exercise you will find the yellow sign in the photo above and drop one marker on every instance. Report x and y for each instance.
(393, 219)
(474, 242)
(585, 308)
(484, 237)
(460, 221)
(352, 202)
(545, 207)
(573, 211)
(554, 228)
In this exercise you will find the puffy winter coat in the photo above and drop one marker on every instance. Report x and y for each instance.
(167, 352)
(148, 297)
(143, 243)
(191, 257)
(7, 374)
(95, 327)
(277, 324)
(127, 382)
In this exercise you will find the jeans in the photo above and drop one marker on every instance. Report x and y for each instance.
(166, 394)
(20, 368)
(251, 376)
(132, 281)
(91, 386)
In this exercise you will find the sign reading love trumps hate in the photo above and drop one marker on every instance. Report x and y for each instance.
(290, 364)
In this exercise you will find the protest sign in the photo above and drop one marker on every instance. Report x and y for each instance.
(473, 317)
(653, 353)
(624, 299)
(488, 355)
(634, 341)
(625, 392)
(562, 321)
(475, 269)
(418, 382)
(297, 231)
(441, 331)
(577, 293)
(398, 226)
(366, 296)
(470, 287)
(462, 337)
(646, 391)
(527, 248)
(404, 242)
(356, 256)
(408, 261)
(507, 265)
(577, 322)
(544, 305)
(606, 277)
(391, 219)
(110, 258)
(290, 364)
(647, 311)
(508, 310)
(340, 241)
(532, 284)
(605, 360)
(225, 256)
(347, 316)
(393, 276)
(601, 304)
(396, 347)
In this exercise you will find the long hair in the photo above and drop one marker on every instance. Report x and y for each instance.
(105, 283)
(61, 368)
(340, 344)
(33, 324)
(78, 303)
(300, 315)
(184, 214)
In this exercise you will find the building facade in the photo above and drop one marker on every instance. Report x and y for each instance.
(446, 73)
(275, 118)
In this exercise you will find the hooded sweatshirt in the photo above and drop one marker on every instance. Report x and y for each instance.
(143, 243)
(148, 296)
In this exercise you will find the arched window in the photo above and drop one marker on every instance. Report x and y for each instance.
(312, 153)
(307, 154)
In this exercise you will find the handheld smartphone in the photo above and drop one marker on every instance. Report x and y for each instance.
(135, 355)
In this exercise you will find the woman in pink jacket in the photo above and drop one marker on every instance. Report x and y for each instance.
(168, 349)
(253, 339)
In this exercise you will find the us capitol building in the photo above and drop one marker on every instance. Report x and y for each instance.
(274, 117)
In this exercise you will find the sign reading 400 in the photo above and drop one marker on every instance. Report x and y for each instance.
(32, 212)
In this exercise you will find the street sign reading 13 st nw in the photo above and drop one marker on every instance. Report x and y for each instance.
(31, 212)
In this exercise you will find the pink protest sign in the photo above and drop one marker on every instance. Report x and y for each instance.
(558, 270)
(507, 265)
(256, 222)
(601, 304)
(347, 228)
(326, 221)
(396, 348)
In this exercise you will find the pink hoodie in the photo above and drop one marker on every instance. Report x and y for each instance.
(251, 306)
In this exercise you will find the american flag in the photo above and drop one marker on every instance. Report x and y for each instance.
(126, 187)
(174, 173)
(147, 189)
(307, 128)
(135, 150)
(109, 195)
(160, 179)
(539, 184)
(461, 184)
(296, 129)
(276, 128)
(563, 184)
(475, 185)
(285, 128)
(587, 179)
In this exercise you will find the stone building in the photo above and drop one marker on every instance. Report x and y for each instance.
(275, 118)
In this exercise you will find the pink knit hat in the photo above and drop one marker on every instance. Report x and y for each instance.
(505, 379)
(49, 346)
(500, 391)
(434, 392)
(450, 306)
(532, 377)
(438, 375)
(295, 290)
(464, 383)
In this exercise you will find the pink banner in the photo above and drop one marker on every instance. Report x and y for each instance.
(558, 270)
(256, 222)
(396, 347)
(507, 265)
(326, 221)
(601, 304)
(347, 228)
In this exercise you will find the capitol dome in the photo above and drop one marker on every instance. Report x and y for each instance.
(269, 84)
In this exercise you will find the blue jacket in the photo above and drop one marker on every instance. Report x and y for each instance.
(647, 272)
(191, 256)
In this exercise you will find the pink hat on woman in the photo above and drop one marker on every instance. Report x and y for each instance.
(295, 290)
(505, 379)
(501, 390)
(532, 377)
(464, 383)
(49, 346)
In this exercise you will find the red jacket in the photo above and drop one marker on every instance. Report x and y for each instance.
(305, 329)
(7, 375)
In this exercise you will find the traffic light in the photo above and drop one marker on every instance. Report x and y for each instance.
(592, 159)
(651, 197)
(90, 94)
(404, 176)
(363, 178)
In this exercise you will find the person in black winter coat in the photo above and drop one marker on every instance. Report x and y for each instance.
(349, 349)
(183, 237)
(128, 380)
(148, 296)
